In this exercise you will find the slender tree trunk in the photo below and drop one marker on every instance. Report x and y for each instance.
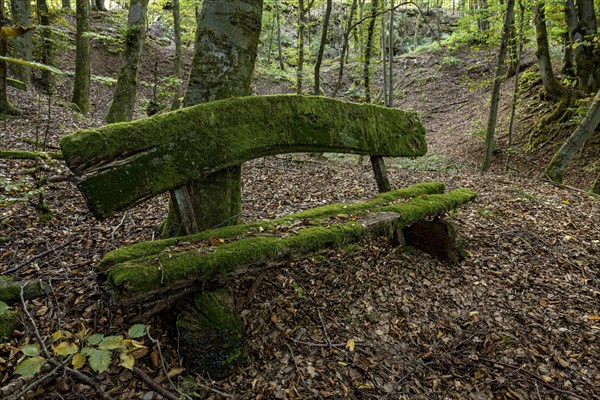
(226, 46)
(345, 39)
(369, 50)
(391, 57)
(43, 16)
(493, 115)
(384, 55)
(177, 59)
(587, 59)
(5, 106)
(81, 87)
(99, 5)
(22, 46)
(557, 167)
(123, 103)
(317, 87)
(66, 4)
(571, 37)
(300, 66)
(551, 84)
(279, 46)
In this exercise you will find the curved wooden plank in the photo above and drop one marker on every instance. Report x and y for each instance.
(119, 165)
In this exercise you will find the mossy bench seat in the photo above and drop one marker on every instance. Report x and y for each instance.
(146, 273)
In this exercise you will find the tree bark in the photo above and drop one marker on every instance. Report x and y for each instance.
(596, 185)
(46, 81)
(495, 98)
(586, 57)
(279, 46)
(557, 167)
(551, 84)
(571, 38)
(326, 17)
(99, 5)
(123, 103)
(66, 4)
(300, 66)
(226, 47)
(369, 50)
(177, 59)
(22, 45)
(346, 38)
(81, 86)
(5, 106)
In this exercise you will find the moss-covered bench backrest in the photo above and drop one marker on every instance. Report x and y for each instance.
(119, 165)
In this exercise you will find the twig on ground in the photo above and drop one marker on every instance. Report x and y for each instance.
(324, 329)
(534, 376)
(33, 384)
(80, 376)
(112, 234)
(154, 385)
(37, 257)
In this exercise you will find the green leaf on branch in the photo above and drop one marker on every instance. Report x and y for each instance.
(32, 64)
(30, 366)
(137, 331)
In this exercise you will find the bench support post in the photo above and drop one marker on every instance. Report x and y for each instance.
(210, 202)
(380, 171)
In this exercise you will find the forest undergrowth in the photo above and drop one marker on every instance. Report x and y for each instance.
(519, 318)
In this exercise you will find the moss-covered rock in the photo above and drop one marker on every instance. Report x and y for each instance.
(10, 291)
(121, 164)
(212, 335)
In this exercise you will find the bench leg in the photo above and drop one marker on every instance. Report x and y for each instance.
(438, 238)
(212, 335)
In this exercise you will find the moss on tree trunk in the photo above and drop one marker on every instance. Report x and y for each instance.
(212, 335)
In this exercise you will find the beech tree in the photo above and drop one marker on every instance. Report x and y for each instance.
(123, 103)
(225, 52)
(557, 167)
(22, 45)
(81, 85)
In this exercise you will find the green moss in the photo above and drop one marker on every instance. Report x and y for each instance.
(212, 335)
(168, 150)
(193, 261)
(149, 248)
(7, 324)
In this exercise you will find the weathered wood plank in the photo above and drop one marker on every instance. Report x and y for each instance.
(167, 270)
(119, 165)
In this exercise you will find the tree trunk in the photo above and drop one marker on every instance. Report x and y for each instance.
(317, 87)
(279, 46)
(81, 87)
(5, 106)
(391, 57)
(99, 5)
(345, 39)
(551, 84)
(586, 57)
(123, 103)
(571, 38)
(47, 43)
(300, 41)
(226, 46)
(495, 99)
(558, 165)
(22, 46)
(369, 50)
(66, 4)
(177, 59)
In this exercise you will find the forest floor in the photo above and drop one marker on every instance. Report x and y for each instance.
(519, 318)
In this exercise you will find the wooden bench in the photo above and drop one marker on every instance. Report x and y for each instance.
(119, 165)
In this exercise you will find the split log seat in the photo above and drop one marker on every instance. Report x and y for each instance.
(120, 165)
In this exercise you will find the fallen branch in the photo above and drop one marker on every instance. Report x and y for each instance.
(30, 155)
(37, 257)
(154, 385)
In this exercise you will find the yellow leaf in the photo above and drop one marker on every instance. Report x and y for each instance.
(78, 360)
(568, 237)
(82, 333)
(61, 335)
(174, 372)
(65, 348)
(127, 360)
(364, 386)
(350, 344)
(566, 202)
(342, 364)
(593, 317)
